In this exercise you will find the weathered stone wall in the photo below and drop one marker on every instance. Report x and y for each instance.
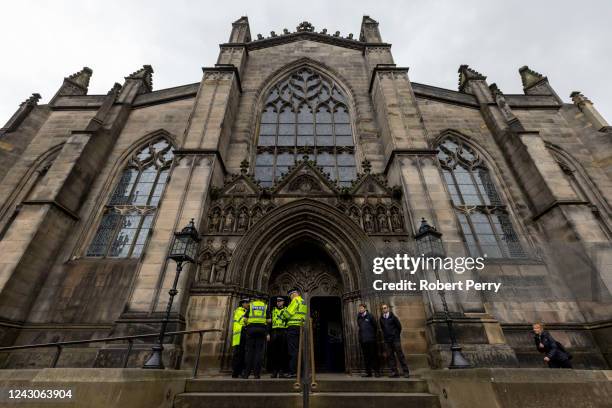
(213, 125)
(499, 388)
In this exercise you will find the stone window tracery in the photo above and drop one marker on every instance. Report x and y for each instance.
(483, 217)
(305, 114)
(129, 213)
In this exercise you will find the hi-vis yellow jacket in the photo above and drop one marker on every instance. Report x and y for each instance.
(238, 325)
(277, 319)
(295, 313)
(257, 312)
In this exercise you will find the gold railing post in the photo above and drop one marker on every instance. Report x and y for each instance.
(313, 380)
(298, 378)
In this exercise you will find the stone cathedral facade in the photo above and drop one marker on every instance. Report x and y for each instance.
(301, 156)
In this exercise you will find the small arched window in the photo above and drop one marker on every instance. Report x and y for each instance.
(484, 218)
(305, 115)
(129, 213)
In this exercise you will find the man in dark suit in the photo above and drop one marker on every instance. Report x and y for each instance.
(392, 329)
(555, 354)
(367, 340)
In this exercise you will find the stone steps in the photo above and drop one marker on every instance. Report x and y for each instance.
(238, 400)
(372, 385)
(373, 400)
(337, 391)
(222, 385)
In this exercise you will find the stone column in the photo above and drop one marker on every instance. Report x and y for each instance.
(591, 114)
(35, 236)
(24, 110)
(537, 84)
(199, 160)
(582, 257)
(412, 163)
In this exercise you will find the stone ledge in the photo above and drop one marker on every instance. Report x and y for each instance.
(95, 387)
(521, 388)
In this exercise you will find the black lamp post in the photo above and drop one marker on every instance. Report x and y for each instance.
(429, 243)
(183, 249)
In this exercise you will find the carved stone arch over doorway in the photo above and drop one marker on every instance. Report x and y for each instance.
(306, 219)
(307, 267)
(339, 268)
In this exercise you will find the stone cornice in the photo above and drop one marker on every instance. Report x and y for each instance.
(305, 35)
(201, 152)
(408, 152)
(55, 204)
(384, 68)
(560, 326)
(555, 204)
(160, 96)
(225, 68)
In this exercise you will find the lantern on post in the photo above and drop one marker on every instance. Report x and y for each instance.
(429, 243)
(183, 249)
(184, 245)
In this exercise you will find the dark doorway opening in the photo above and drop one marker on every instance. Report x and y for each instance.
(326, 314)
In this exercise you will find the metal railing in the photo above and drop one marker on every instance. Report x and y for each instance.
(307, 382)
(130, 339)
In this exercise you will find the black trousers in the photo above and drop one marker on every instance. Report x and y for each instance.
(394, 350)
(560, 364)
(238, 358)
(255, 342)
(293, 344)
(278, 350)
(370, 357)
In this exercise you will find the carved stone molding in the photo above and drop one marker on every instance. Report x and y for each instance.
(369, 201)
(213, 263)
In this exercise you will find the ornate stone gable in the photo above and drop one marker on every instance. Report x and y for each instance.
(242, 201)
(305, 177)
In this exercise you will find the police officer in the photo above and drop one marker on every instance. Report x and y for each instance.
(256, 331)
(238, 338)
(294, 315)
(278, 340)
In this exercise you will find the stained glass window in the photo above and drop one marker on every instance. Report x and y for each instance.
(482, 215)
(129, 213)
(305, 114)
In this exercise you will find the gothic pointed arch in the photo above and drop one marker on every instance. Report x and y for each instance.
(24, 189)
(482, 213)
(127, 217)
(301, 220)
(305, 113)
(584, 187)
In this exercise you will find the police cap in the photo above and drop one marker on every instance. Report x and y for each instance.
(280, 299)
(290, 291)
(245, 300)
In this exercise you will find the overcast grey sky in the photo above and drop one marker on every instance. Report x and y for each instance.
(42, 42)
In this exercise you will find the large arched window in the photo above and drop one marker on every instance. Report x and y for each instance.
(483, 217)
(129, 213)
(305, 114)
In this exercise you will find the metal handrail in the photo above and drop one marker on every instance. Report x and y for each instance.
(307, 382)
(313, 379)
(130, 339)
(298, 377)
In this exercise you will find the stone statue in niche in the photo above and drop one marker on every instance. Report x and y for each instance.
(228, 224)
(354, 215)
(206, 264)
(382, 221)
(396, 220)
(243, 220)
(215, 220)
(367, 220)
(257, 214)
(220, 268)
